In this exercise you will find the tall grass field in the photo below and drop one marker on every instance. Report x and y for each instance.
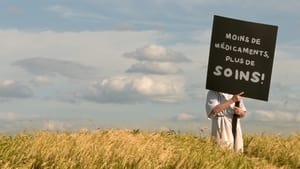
(135, 149)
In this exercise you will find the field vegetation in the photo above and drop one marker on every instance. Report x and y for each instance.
(135, 149)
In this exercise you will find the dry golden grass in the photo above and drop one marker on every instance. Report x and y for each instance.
(138, 149)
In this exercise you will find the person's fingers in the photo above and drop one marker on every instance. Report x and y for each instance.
(241, 93)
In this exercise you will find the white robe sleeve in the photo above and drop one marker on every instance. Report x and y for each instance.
(211, 102)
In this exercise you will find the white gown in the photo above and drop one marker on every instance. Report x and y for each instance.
(221, 128)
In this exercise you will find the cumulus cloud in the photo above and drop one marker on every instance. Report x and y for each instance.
(154, 68)
(13, 89)
(46, 66)
(132, 89)
(156, 81)
(156, 53)
(155, 59)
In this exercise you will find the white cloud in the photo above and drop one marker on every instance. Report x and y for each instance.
(97, 49)
(13, 89)
(47, 66)
(154, 68)
(128, 89)
(156, 53)
(86, 55)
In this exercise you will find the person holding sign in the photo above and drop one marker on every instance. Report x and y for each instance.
(221, 109)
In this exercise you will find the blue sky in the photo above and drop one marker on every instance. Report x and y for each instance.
(91, 64)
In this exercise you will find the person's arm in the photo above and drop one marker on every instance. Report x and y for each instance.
(222, 106)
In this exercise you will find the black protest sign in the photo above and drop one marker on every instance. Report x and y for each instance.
(241, 57)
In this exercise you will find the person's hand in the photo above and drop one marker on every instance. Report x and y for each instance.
(237, 97)
(239, 111)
